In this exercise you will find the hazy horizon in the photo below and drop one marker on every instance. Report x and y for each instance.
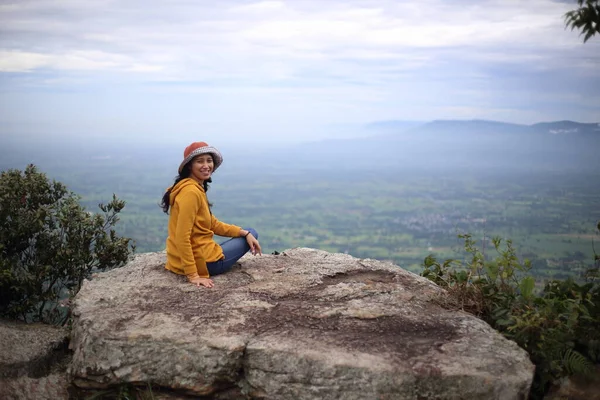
(277, 72)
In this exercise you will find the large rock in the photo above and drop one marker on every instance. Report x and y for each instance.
(32, 361)
(305, 324)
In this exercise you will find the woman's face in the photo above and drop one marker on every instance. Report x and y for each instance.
(201, 167)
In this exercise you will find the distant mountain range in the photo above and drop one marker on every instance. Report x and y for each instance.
(463, 144)
(567, 127)
(394, 145)
(482, 127)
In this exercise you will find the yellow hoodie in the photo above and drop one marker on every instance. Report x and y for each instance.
(190, 243)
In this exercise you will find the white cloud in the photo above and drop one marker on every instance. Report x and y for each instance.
(20, 61)
(259, 7)
(378, 58)
(181, 38)
(79, 60)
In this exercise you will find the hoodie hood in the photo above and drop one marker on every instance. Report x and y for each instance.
(182, 185)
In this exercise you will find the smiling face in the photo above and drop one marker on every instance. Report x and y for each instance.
(201, 167)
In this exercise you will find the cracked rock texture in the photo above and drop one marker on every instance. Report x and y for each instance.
(304, 324)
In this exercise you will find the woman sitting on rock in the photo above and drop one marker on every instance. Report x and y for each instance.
(191, 250)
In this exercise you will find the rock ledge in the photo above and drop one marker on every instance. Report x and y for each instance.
(305, 324)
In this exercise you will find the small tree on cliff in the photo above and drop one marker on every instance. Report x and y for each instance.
(586, 18)
(49, 244)
(559, 326)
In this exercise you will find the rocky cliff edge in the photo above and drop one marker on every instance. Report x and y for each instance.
(304, 324)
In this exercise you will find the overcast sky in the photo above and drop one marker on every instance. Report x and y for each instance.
(255, 71)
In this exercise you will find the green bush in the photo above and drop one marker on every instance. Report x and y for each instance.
(49, 244)
(558, 325)
(586, 18)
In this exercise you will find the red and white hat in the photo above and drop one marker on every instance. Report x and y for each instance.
(198, 148)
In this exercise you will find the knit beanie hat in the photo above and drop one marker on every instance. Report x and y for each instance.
(198, 148)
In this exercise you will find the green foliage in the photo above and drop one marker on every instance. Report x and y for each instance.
(387, 214)
(559, 326)
(49, 244)
(586, 18)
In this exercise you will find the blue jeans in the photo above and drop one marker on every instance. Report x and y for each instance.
(233, 250)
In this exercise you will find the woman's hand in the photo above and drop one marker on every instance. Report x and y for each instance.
(206, 282)
(254, 245)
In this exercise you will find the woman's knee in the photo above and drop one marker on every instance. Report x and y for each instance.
(253, 232)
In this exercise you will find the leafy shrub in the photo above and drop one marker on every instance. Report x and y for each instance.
(559, 325)
(49, 244)
(586, 18)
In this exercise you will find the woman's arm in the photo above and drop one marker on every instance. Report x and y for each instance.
(188, 203)
(243, 232)
(252, 241)
(223, 229)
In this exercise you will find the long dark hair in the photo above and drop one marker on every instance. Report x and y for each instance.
(185, 173)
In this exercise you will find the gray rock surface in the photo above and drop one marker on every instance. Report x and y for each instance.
(32, 361)
(305, 324)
